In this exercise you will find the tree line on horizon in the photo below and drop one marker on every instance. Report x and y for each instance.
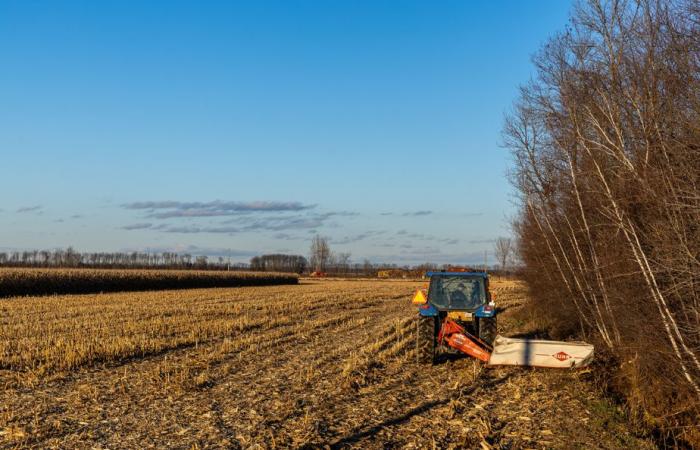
(328, 263)
(70, 258)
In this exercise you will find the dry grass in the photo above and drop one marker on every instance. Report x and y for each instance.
(321, 363)
(18, 282)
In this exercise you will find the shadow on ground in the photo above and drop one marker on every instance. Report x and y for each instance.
(359, 433)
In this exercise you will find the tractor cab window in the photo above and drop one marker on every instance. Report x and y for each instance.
(456, 292)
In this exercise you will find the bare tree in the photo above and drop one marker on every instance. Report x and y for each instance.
(320, 253)
(503, 248)
(343, 262)
(367, 268)
(606, 154)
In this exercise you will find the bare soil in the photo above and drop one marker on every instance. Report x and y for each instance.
(331, 367)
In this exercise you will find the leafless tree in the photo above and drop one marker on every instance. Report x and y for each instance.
(320, 253)
(606, 146)
(503, 249)
(342, 261)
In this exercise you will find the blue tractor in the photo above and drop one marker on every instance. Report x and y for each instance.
(458, 312)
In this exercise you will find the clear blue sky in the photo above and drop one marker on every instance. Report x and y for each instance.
(246, 127)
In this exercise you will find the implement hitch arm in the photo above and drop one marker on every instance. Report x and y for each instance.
(455, 336)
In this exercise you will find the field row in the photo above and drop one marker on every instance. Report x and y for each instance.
(22, 282)
(46, 334)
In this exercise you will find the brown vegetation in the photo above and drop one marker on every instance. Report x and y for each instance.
(323, 363)
(17, 282)
(606, 146)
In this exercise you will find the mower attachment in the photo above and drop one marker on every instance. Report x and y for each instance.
(516, 352)
(540, 353)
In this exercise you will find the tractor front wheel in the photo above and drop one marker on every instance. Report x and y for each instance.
(487, 329)
(425, 339)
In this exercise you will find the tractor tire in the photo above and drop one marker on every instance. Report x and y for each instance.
(487, 329)
(425, 339)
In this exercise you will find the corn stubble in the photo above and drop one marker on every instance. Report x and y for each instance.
(321, 363)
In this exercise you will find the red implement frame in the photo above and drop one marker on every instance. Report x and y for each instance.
(455, 336)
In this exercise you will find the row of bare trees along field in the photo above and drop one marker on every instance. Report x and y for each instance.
(322, 259)
(69, 257)
(606, 146)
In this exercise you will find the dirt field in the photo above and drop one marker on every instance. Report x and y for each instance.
(322, 364)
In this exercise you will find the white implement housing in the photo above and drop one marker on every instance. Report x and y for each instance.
(540, 353)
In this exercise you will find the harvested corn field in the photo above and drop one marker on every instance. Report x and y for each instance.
(16, 282)
(321, 364)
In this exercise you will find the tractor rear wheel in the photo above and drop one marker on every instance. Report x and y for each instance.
(487, 329)
(425, 339)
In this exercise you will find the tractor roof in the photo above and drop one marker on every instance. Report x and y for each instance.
(459, 274)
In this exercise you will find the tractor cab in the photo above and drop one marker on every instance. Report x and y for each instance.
(463, 296)
(460, 297)
(458, 292)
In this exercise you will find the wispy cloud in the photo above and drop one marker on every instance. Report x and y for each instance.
(28, 209)
(242, 216)
(482, 241)
(417, 213)
(426, 237)
(239, 226)
(217, 230)
(357, 237)
(342, 213)
(286, 237)
(417, 255)
(283, 223)
(408, 214)
(137, 226)
(173, 209)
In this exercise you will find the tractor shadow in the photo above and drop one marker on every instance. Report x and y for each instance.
(446, 357)
(359, 434)
(502, 309)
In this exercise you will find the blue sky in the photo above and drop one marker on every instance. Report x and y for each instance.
(246, 127)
